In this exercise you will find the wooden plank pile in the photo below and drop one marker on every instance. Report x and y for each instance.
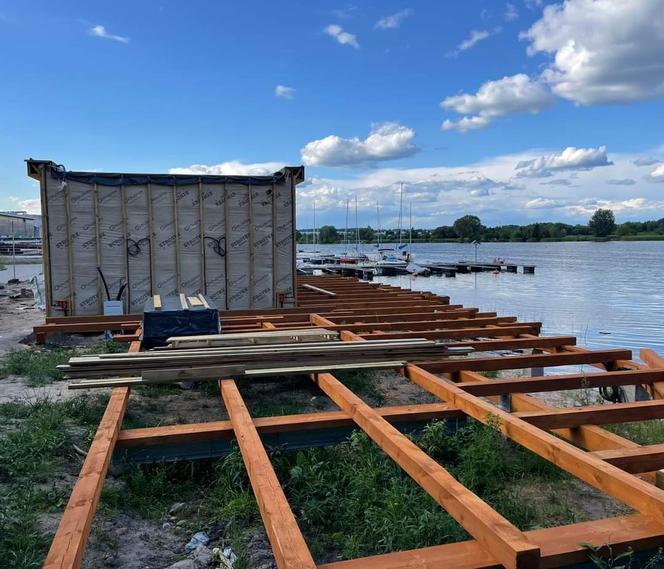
(267, 360)
(297, 335)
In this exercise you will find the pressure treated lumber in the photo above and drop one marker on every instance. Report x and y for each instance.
(635, 460)
(196, 432)
(561, 382)
(288, 545)
(151, 377)
(534, 360)
(560, 547)
(68, 545)
(594, 414)
(318, 290)
(654, 360)
(250, 338)
(501, 539)
(633, 491)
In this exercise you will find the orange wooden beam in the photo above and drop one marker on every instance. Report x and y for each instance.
(289, 548)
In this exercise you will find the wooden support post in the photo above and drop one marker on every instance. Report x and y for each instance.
(500, 538)
(631, 490)
(288, 545)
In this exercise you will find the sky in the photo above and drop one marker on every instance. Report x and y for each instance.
(516, 111)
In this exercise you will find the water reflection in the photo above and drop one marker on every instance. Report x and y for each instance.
(607, 294)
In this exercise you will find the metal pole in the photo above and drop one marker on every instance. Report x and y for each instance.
(14, 249)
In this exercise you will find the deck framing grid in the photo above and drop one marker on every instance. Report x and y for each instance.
(362, 312)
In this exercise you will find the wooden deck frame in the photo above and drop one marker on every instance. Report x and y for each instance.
(610, 462)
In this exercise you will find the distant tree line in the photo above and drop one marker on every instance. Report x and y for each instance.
(602, 225)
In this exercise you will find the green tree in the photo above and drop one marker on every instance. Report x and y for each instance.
(468, 227)
(367, 234)
(328, 234)
(602, 223)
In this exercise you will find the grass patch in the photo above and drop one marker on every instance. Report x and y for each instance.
(643, 433)
(39, 365)
(36, 442)
(351, 499)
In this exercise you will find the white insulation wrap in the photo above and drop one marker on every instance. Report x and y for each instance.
(228, 237)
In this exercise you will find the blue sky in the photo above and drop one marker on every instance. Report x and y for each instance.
(515, 111)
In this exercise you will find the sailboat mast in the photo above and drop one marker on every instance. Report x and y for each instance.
(410, 228)
(346, 232)
(378, 221)
(400, 213)
(357, 229)
(315, 240)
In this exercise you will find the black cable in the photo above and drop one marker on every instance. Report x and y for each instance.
(103, 280)
(217, 247)
(122, 288)
(613, 393)
(134, 247)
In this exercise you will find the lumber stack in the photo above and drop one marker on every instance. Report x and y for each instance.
(297, 335)
(275, 359)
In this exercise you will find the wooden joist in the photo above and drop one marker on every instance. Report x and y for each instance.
(533, 360)
(560, 547)
(633, 491)
(289, 548)
(195, 432)
(561, 382)
(594, 415)
(504, 542)
(68, 545)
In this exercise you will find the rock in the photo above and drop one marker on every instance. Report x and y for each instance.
(203, 556)
(109, 560)
(166, 525)
(184, 564)
(181, 523)
(177, 507)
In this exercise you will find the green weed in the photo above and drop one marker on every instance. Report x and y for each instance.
(39, 365)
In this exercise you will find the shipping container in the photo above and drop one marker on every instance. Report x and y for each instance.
(231, 238)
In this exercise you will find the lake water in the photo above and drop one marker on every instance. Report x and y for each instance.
(24, 272)
(606, 294)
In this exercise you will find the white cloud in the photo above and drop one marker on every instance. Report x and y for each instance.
(100, 32)
(475, 37)
(657, 175)
(393, 21)
(604, 51)
(347, 12)
(506, 96)
(511, 13)
(488, 188)
(284, 92)
(621, 182)
(344, 38)
(569, 159)
(559, 182)
(626, 207)
(386, 141)
(30, 205)
(533, 4)
(542, 203)
(231, 168)
(646, 161)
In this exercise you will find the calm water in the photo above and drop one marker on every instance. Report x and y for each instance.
(607, 294)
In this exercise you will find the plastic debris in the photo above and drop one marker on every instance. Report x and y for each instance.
(199, 538)
(226, 556)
